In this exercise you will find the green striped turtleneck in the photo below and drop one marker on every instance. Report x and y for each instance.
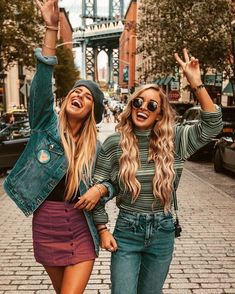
(187, 140)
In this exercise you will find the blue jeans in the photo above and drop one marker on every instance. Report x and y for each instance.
(145, 247)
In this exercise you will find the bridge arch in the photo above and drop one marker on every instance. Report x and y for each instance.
(100, 35)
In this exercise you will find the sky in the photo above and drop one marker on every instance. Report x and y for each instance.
(75, 9)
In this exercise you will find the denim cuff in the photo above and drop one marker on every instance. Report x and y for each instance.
(110, 195)
(49, 60)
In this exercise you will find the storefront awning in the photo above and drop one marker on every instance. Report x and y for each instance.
(161, 81)
(213, 80)
(209, 80)
(167, 80)
(164, 81)
(228, 89)
(157, 81)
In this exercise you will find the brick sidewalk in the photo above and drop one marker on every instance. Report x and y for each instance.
(204, 259)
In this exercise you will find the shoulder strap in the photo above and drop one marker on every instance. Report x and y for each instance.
(175, 201)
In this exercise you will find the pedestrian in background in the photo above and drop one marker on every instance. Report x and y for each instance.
(10, 118)
(144, 161)
(116, 112)
(107, 114)
(55, 169)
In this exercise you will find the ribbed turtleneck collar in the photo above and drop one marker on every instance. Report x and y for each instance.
(142, 133)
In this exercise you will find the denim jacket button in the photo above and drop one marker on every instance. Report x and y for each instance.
(51, 146)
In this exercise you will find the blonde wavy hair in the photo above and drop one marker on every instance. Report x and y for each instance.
(161, 150)
(80, 154)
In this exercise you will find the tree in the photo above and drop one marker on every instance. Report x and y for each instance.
(204, 27)
(21, 29)
(65, 72)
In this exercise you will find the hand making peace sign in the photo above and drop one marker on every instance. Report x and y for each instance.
(190, 68)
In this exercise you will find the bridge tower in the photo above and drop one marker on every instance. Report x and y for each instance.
(92, 19)
(89, 10)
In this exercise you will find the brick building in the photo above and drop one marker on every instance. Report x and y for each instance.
(127, 49)
(66, 30)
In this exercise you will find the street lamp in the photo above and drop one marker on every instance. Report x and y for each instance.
(3, 90)
(233, 56)
(81, 39)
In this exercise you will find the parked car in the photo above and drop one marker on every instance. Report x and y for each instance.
(13, 140)
(180, 108)
(192, 116)
(224, 154)
(17, 114)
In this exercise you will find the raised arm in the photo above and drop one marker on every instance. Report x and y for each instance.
(189, 139)
(41, 95)
(50, 14)
(191, 69)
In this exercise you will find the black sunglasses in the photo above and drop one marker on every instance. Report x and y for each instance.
(138, 102)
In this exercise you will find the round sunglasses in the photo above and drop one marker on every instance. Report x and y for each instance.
(138, 102)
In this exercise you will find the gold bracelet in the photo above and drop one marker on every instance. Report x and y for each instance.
(99, 189)
(48, 47)
(52, 28)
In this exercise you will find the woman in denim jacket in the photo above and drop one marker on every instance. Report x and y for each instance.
(55, 170)
(144, 159)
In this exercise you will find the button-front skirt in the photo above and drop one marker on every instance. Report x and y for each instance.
(61, 236)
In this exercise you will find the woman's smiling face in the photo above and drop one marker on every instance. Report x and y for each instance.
(79, 103)
(147, 110)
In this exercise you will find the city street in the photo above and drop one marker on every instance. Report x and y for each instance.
(204, 258)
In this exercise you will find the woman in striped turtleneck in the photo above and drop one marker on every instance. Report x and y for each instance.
(143, 161)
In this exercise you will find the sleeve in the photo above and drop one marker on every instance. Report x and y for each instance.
(104, 170)
(104, 173)
(188, 139)
(41, 102)
(100, 216)
(95, 171)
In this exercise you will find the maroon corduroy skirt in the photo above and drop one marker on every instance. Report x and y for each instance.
(61, 235)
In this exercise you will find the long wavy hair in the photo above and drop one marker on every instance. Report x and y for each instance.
(80, 153)
(161, 150)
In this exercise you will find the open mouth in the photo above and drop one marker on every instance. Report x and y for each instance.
(76, 103)
(142, 115)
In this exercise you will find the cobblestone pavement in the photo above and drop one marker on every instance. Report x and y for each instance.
(204, 258)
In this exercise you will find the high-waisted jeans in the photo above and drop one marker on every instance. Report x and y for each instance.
(145, 247)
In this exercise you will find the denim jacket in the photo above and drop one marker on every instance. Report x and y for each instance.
(42, 164)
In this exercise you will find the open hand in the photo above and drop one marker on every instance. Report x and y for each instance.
(50, 11)
(88, 200)
(190, 68)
